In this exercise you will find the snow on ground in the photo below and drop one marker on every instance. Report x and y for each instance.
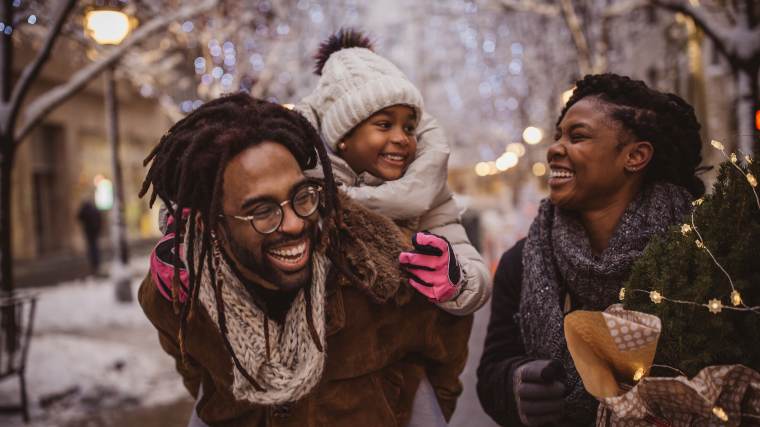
(94, 362)
(90, 353)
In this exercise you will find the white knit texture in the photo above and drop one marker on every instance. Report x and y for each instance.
(296, 364)
(355, 84)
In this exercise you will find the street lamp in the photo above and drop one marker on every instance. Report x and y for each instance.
(107, 26)
(111, 27)
(532, 135)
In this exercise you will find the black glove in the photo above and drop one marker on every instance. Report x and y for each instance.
(539, 391)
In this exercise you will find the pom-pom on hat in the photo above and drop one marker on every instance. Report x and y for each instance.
(355, 83)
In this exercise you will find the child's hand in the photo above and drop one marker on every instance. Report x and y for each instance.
(433, 266)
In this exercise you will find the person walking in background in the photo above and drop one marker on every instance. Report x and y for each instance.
(624, 169)
(91, 220)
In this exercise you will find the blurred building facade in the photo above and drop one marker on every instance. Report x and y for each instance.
(59, 163)
(663, 49)
(673, 55)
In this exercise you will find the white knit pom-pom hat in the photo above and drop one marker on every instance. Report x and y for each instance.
(356, 83)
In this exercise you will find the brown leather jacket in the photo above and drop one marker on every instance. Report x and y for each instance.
(382, 338)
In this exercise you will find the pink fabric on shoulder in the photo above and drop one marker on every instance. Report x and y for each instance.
(162, 263)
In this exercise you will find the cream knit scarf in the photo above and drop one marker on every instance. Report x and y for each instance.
(295, 363)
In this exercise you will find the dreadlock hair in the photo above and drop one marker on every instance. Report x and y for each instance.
(186, 171)
(664, 119)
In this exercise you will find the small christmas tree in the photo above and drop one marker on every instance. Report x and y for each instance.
(703, 278)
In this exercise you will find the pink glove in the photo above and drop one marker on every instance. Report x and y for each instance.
(433, 266)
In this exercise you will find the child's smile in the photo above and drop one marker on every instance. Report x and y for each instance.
(383, 145)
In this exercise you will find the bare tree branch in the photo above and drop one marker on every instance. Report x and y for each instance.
(700, 18)
(623, 8)
(579, 38)
(611, 12)
(170, 108)
(268, 75)
(750, 12)
(724, 9)
(32, 70)
(43, 105)
(530, 6)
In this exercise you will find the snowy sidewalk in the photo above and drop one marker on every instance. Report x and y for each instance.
(93, 360)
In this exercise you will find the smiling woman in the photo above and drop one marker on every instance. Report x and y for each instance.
(622, 170)
(594, 162)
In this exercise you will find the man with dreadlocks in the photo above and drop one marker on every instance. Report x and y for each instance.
(292, 311)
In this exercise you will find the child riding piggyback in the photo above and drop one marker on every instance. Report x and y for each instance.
(390, 155)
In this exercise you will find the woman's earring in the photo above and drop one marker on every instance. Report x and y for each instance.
(342, 146)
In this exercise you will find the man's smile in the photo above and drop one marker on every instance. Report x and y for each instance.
(291, 256)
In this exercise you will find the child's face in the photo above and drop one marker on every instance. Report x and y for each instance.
(384, 144)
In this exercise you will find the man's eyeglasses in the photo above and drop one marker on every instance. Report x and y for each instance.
(267, 217)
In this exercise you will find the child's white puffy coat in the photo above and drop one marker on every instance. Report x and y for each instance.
(422, 196)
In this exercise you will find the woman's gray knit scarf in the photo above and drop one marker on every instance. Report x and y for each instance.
(557, 259)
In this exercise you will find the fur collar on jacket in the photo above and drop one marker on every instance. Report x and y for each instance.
(371, 244)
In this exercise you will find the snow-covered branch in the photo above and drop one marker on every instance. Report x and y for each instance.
(32, 70)
(623, 8)
(530, 6)
(589, 60)
(579, 38)
(269, 74)
(718, 34)
(43, 105)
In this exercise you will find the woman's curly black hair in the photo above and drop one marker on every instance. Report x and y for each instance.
(664, 119)
(187, 169)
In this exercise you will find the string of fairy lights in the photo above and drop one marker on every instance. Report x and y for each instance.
(714, 305)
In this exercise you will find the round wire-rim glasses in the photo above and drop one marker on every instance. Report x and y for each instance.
(268, 216)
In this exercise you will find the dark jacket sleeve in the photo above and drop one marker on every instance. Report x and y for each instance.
(160, 312)
(446, 356)
(503, 351)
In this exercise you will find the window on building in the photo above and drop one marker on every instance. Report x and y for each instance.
(652, 77)
(651, 12)
(47, 187)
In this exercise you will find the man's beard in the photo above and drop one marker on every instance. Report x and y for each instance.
(264, 269)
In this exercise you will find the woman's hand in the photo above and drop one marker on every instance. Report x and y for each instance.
(433, 266)
(539, 391)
